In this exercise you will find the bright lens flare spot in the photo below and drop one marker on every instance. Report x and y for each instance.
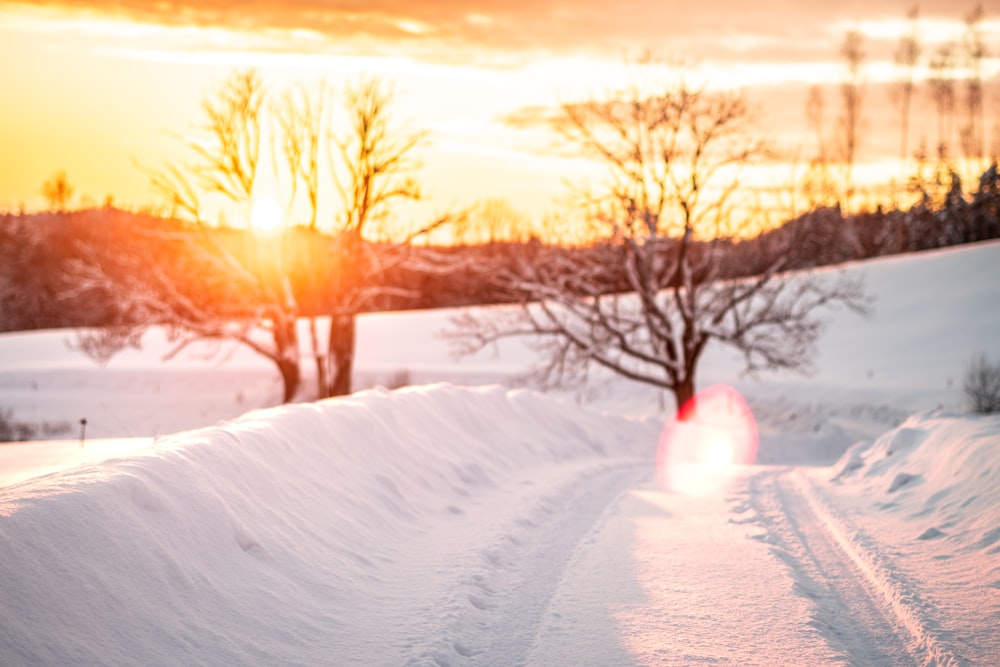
(266, 216)
(700, 451)
(717, 451)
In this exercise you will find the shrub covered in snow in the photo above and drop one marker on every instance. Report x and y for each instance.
(982, 385)
(13, 430)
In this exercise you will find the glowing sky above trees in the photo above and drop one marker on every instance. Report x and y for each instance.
(97, 88)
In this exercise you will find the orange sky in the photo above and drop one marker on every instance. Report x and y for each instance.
(97, 88)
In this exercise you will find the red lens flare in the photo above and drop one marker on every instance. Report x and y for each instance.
(711, 434)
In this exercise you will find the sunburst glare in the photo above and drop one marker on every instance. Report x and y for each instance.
(266, 217)
(713, 433)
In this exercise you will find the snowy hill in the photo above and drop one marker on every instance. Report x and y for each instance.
(484, 525)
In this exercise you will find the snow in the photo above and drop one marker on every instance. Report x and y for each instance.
(929, 491)
(465, 521)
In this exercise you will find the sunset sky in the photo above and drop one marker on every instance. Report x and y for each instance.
(97, 88)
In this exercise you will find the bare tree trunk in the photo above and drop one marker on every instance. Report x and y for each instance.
(322, 378)
(289, 379)
(286, 343)
(341, 354)
(683, 392)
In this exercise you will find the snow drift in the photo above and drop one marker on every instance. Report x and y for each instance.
(309, 534)
(933, 486)
(918, 510)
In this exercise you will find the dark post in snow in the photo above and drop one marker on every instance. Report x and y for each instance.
(83, 430)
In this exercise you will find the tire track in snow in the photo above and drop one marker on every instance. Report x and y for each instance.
(847, 612)
(902, 597)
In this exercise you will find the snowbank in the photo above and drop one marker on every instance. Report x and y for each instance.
(299, 535)
(937, 476)
(919, 509)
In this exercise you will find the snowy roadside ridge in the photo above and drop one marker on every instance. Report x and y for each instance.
(324, 533)
(914, 613)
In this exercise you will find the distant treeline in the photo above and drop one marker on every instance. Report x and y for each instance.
(47, 259)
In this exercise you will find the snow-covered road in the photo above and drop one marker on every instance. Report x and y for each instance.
(761, 575)
(598, 566)
(848, 608)
(768, 572)
(670, 579)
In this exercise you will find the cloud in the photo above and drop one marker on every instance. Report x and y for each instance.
(513, 29)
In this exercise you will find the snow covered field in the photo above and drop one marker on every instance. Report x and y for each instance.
(464, 521)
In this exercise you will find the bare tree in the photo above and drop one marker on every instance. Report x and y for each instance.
(259, 284)
(851, 94)
(243, 291)
(942, 89)
(907, 56)
(228, 166)
(819, 184)
(57, 192)
(301, 120)
(972, 132)
(371, 165)
(496, 220)
(376, 160)
(199, 284)
(646, 298)
(229, 163)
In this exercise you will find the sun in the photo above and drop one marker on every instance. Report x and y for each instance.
(266, 216)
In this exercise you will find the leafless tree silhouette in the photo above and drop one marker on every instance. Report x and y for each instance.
(942, 90)
(669, 210)
(377, 160)
(852, 96)
(972, 132)
(819, 182)
(907, 57)
(57, 192)
(244, 289)
(302, 121)
(371, 165)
